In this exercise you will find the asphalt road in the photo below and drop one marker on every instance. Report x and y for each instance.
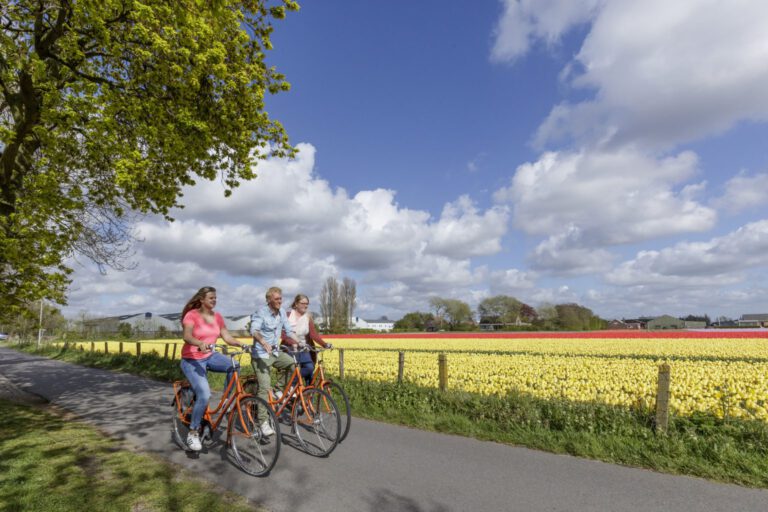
(379, 468)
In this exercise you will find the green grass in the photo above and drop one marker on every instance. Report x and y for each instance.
(734, 451)
(51, 464)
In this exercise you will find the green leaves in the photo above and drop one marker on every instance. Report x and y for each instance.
(119, 103)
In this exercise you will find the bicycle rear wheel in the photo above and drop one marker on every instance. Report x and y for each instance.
(316, 422)
(255, 449)
(182, 414)
(342, 402)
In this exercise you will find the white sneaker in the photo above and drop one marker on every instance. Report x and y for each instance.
(278, 394)
(193, 442)
(266, 428)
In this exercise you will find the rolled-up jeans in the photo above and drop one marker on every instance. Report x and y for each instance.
(195, 370)
(281, 361)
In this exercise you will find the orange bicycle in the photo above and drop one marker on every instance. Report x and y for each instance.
(312, 413)
(334, 389)
(254, 451)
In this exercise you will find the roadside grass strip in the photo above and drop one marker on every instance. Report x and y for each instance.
(48, 463)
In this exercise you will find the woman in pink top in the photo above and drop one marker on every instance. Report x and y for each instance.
(302, 324)
(202, 328)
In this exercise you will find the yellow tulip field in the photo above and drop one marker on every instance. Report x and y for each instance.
(718, 375)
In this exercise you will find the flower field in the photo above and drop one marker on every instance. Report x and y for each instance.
(724, 375)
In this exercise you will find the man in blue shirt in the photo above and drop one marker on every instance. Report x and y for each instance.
(267, 325)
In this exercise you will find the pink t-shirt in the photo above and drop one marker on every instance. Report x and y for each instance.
(202, 330)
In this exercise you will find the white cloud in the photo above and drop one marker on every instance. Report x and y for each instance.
(717, 262)
(662, 72)
(604, 197)
(291, 228)
(525, 21)
(743, 192)
(566, 254)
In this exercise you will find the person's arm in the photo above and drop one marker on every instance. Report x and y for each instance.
(315, 336)
(287, 340)
(189, 325)
(225, 334)
(287, 329)
(256, 323)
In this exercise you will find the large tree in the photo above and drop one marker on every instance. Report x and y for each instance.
(455, 312)
(503, 309)
(337, 303)
(108, 108)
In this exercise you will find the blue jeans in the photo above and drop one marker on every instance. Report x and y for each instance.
(195, 370)
(307, 366)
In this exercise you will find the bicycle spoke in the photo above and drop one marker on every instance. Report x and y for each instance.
(342, 402)
(254, 449)
(316, 422)
(181, 416)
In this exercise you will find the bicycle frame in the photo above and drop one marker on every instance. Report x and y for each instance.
(318, 377)
(294, 387)
(231, 396)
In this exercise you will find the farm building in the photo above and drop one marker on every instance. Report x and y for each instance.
(753, 320)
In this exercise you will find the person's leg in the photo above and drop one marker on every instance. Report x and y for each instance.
(284, 364)
(195, 372)
(261, 368)
(220, 363)
(307, 367)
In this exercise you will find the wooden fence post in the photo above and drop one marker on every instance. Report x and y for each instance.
(442, 366)
(93, 346)
(400, 366)
(138, 349)
(166, 352)
(662, 398)
(106, 347)
(341, 363)
(120, 348)
(174, 351)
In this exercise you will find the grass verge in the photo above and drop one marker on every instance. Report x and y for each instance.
(53, 464)
(733, 451)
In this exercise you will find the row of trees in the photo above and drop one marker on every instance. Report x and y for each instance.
(500, 312)
(30, 319)
(337, 303)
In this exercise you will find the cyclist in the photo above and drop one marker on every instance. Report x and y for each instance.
(267, 324)
(202, 327)
(304, 327)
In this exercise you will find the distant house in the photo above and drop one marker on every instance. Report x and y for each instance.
(670, 322)
(625, 325)
(380, 324)
(665, 322)
(753, 320)
(139, 322)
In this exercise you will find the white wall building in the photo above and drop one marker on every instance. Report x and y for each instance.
(381, 324)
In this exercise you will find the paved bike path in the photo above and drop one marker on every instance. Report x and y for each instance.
(379, 468)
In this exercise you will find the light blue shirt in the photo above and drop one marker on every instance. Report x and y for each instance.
(270, 326)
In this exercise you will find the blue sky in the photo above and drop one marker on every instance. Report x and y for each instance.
(609, 153)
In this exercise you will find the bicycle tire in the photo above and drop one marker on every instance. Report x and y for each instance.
(316, 422)
(254, 452)
(182, 416)
(342, 402)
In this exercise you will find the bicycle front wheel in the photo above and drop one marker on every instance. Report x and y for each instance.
(182, 415)
(342, 402)
(316, 422)
(254, 436)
